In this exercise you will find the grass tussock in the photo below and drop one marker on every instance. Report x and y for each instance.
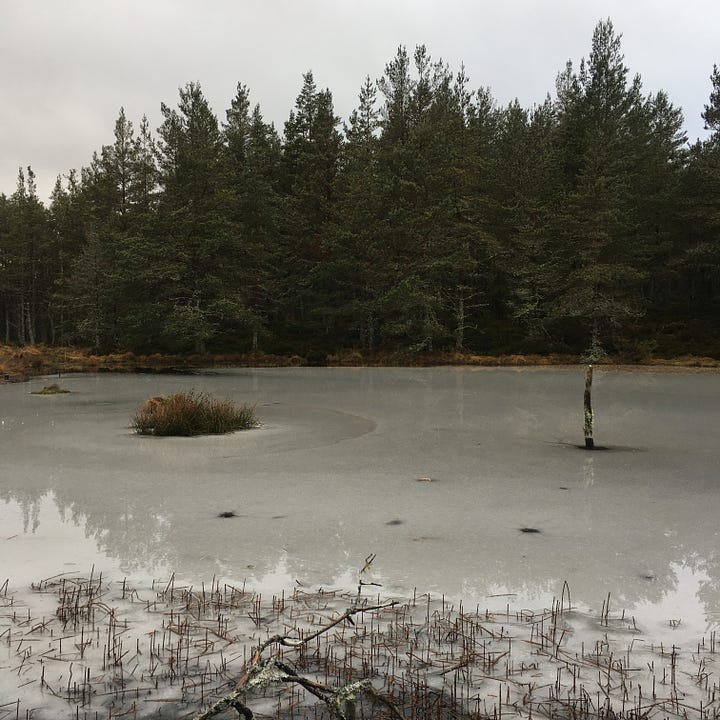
(53, 389)
(191, 413)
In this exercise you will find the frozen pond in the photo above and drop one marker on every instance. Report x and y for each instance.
(333, 475)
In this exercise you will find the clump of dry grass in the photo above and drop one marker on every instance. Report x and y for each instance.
(192, 413)
(53, 389)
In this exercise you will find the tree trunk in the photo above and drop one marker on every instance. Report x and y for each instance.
(21, 321)
(460, 320)
(51, 324)
(30, 324)
(589, 442)
(367, 332)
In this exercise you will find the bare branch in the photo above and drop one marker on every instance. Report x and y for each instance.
(259, 673)
(225, 703)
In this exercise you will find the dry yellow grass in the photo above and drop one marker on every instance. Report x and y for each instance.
(53, 389)
(192, 413)
(20, 363)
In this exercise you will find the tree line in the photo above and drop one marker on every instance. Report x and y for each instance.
(432, 219)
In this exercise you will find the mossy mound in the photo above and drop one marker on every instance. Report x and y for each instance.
(190, 413)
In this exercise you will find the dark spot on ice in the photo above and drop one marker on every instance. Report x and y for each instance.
(227, 514)
(529, 530)
(278, 517)
(394, 522)
(562, 487)
(648, 576)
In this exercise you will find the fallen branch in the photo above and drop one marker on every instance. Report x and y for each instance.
(260, 673)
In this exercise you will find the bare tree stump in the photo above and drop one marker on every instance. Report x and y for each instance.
(589, 442)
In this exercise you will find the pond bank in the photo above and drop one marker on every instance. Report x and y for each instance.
(18, 364)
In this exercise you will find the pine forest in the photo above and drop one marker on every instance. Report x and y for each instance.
(432, 219)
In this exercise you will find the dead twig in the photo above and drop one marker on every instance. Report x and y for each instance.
(260, 673)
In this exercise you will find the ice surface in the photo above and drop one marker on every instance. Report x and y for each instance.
(434, 470)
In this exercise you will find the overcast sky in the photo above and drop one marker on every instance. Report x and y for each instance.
(69, 65)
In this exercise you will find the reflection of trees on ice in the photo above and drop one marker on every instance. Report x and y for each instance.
(29, 502)
(143, 536)
(313, 491)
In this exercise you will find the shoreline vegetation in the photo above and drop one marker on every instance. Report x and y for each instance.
(20, 363)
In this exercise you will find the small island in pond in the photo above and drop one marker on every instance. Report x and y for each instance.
(53, 389)
(191, 413)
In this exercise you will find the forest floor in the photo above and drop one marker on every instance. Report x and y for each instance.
(18, 363)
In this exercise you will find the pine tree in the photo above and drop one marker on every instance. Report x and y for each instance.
(659, 232)
(251, 156)
(409, 302)
(711, 113)
(6, 278)
(26, 261)
(311, 157)
(191, 231)
(431, 245)
(352, 267)
(397, 87)
(699, 264)
(68, 218)
(104, 221)
(599, 286)
(527, 193)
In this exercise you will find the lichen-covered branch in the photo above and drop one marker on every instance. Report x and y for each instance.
(225, 703)
(343, 699)
(259, 673)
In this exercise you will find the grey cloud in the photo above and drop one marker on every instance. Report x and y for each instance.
(68, 67)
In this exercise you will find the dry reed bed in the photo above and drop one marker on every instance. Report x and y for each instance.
(18, 364)
(85, 647)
